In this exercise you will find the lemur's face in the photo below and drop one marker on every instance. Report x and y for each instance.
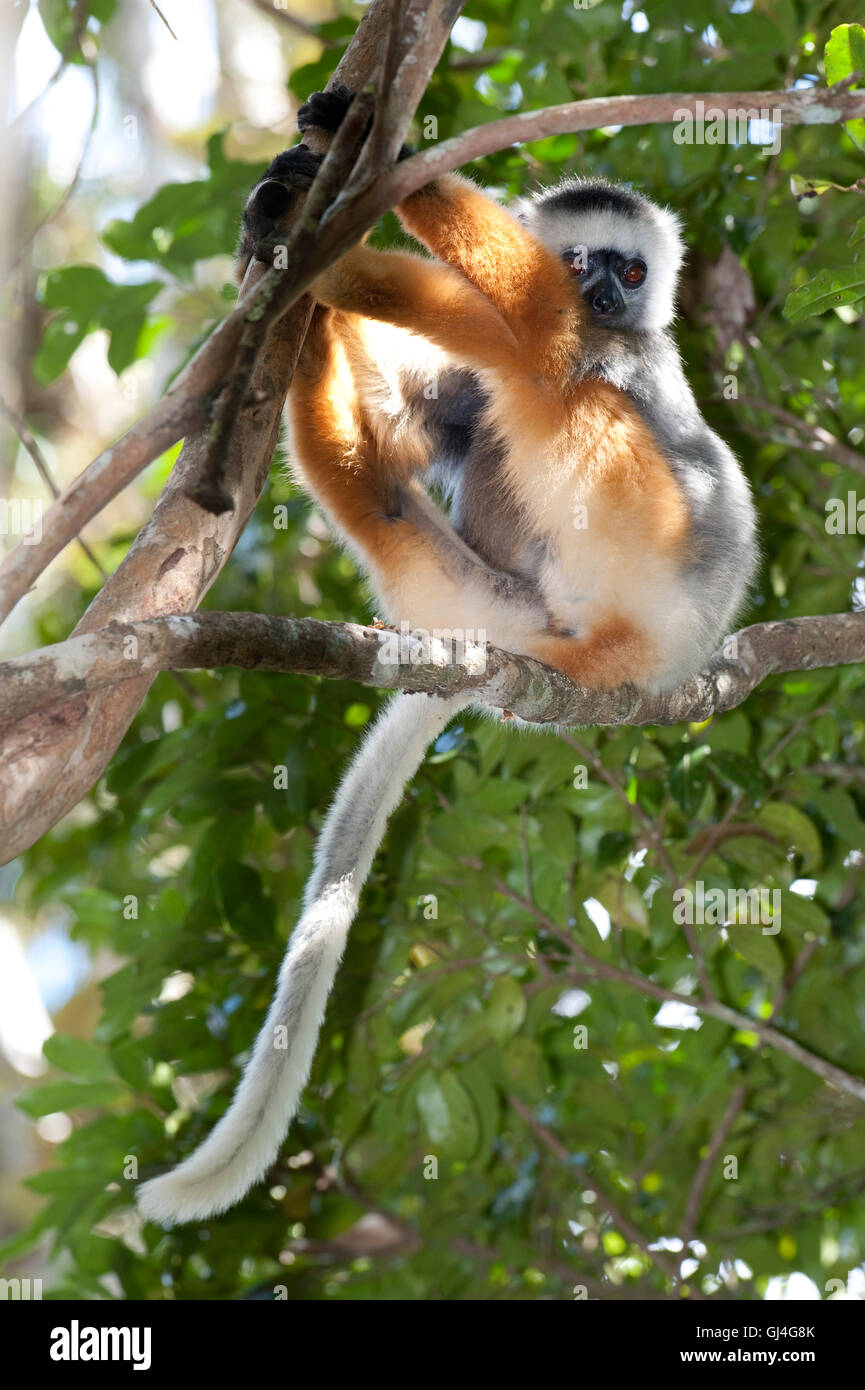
(611, 283)
(623, 250)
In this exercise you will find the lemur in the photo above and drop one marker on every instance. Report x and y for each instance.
(597, 523)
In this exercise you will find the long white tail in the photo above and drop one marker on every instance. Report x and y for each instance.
(246, 1140)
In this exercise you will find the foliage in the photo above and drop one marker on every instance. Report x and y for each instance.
(442, 1035)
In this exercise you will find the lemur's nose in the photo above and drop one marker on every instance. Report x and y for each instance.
(603, 302)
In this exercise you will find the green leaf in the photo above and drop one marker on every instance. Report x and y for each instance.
(624, 902)
(803, 916)
(506, 1008)
(839, 811)
(829, 289)
(739, 772)
(688, 778)
(77, 1058)
(88, 300)
(187, 222)
(62, 22)
(249, 911)
(759, 950)
(793, 830)
(55, 1096)
(845, 54)
(448, 1115)
(523, 1065)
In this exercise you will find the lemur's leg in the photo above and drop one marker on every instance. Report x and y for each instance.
(421, 570)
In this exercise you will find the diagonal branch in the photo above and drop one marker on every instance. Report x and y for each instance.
(599, 969)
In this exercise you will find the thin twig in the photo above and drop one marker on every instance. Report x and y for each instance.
(39, 459)
(162, 17)
(618, 1218)
(704, 1171)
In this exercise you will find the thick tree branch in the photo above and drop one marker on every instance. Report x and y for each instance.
(127, 651)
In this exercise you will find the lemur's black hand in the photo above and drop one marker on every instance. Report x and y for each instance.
(326, 110)
(296, 168)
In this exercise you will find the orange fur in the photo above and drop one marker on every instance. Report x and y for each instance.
(526, 282)
(608, 656)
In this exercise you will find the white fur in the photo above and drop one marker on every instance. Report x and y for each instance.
(245, 1142)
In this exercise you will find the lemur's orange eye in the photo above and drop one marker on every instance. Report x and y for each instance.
(575, 262)
(634, 272)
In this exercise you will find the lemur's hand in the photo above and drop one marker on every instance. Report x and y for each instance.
(325, 110)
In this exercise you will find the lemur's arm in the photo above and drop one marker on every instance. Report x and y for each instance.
(432, 300)
(529, 285)
(421, 570)
(526, 282)
(425, 297)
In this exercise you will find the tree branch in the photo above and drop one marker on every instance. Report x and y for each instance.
(599, 969)
(123, 651)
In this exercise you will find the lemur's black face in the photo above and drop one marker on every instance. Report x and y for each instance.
(610, 283)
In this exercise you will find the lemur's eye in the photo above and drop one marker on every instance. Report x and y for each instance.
(634, 272)
(575, 261)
